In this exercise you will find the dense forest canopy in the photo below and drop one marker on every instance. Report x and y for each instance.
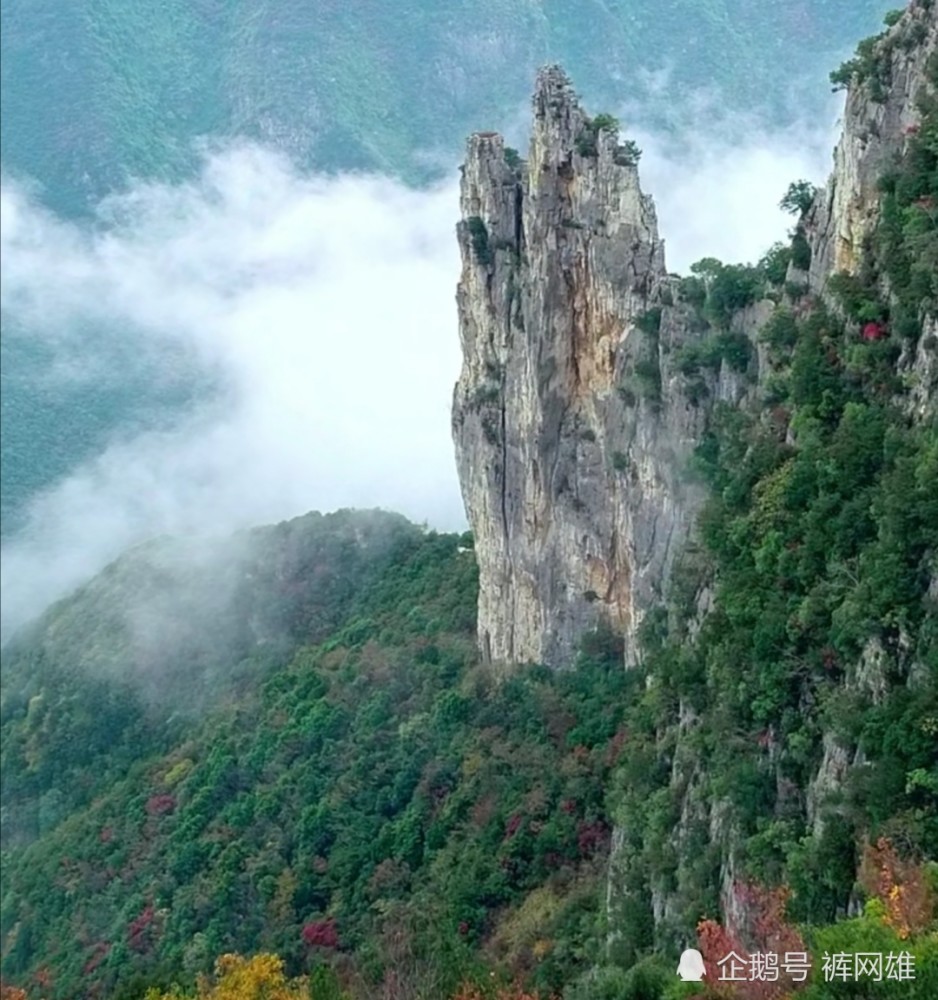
(316, 788)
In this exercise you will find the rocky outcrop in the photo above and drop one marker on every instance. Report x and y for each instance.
(880, 117)
(574, 421)
(919, 365)
(572, 426)
(572, 432)
(883, 112)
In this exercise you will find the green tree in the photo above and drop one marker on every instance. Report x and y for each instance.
(798, 198)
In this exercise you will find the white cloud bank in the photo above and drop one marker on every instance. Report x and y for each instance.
(328, 307)
(717, 192)
(326, 304)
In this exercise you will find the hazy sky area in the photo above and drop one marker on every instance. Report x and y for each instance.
(327, 306)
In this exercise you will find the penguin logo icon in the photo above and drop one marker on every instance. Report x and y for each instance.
(691, 967)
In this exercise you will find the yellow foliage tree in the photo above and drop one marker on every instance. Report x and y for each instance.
(901, 885)
(237, 978)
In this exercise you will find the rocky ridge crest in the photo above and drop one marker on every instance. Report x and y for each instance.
(573, 419)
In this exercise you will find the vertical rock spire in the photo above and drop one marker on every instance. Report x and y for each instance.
(567, 476)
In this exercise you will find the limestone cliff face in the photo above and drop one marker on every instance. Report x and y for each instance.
(880, 116)
(571, 431)
(882, 113)
(574, 426)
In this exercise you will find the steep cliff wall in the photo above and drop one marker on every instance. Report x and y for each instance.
(572, 423)
(880, 117)
(575, 418)
(891, 80)
(881, 236)
(572, 432)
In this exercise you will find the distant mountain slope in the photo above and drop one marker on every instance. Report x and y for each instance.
(97, 91)
(170, 630)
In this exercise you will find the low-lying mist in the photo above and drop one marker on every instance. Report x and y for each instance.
(324, 308)
(321, 311)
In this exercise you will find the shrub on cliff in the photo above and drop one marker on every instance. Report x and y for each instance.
(479, 240)
(798, 198)
(585, 142)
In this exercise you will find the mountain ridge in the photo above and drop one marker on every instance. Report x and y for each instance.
(328, 86)
(742, 732)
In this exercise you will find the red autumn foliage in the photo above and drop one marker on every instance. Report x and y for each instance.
(11, 992)
(568, 806)
(769, 928)
(137, 936)
(98, 955)
(513, 825)
(900, 884)
(590, 837)
(160, 805)
(873, 331)
(616, 744)
(715, 943)
(321, 934)
(767, 931)
(483, 810)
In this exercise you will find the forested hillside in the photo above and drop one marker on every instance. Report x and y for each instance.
(377, 792)
(280, 766)
(378, 809)
(388, 87)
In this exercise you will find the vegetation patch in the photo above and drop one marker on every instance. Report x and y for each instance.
(585, 142)
(479, 241)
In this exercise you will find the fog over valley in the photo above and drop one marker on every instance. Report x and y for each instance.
(468, 526)
(307, 324)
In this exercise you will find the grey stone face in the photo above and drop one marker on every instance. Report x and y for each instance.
(880, 120)
(573, 424)
(559, 256)
(878, 123)
(572, 431)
